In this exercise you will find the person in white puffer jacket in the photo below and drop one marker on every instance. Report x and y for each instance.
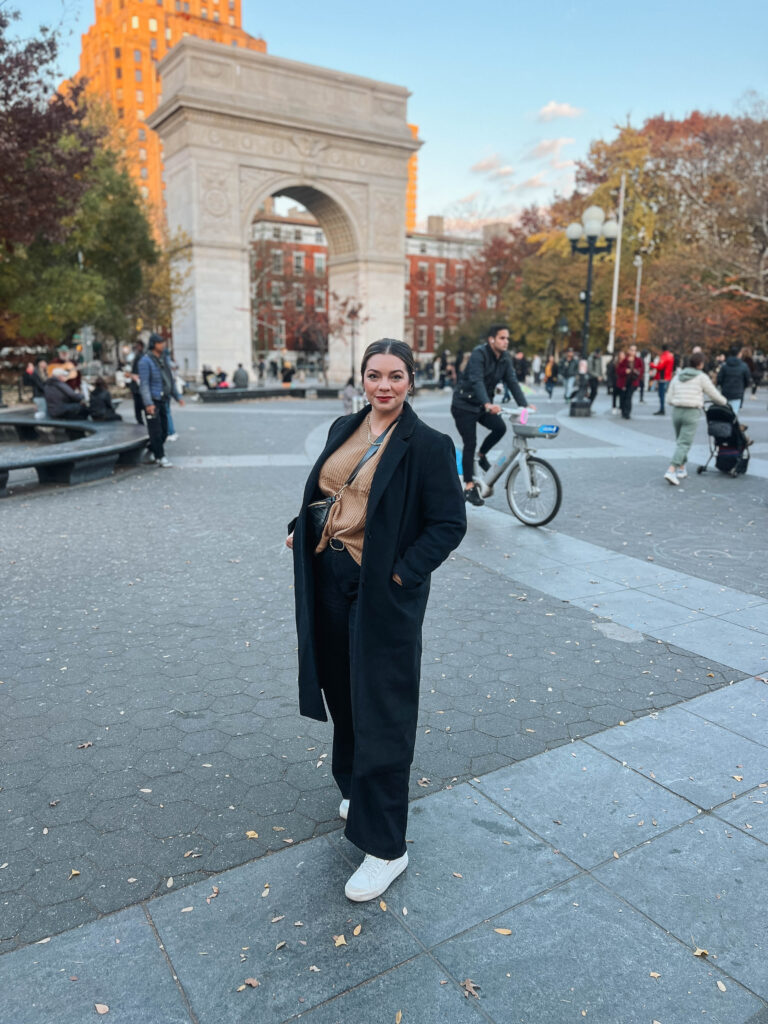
(686, 396)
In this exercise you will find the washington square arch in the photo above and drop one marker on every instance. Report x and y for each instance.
(239, 126)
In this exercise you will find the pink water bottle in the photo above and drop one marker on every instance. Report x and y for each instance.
(524, 415)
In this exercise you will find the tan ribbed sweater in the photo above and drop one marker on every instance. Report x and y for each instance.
(346, 520)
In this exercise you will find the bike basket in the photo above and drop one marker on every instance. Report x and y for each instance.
(549, 429)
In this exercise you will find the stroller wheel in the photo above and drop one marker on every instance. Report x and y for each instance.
(701, 469)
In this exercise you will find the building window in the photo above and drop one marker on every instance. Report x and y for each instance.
(459, 274)
(144, 173)
(153, 24)
(299, 300)
(297, 235)
(277, 261)
(216, 18)
(120, 112)
(231, 5)
(276, 234)
(153, 46)
(319, 298)
(137, 56)
(168, 34)
(320, 267)
(135, 21)
(139, 115)
(119, 94)
(144, 192)
(142, 135)
(178, 5)
(439, 273)
(277, 296)
(281, 332)
(118, 73)
(423, 270)
(422, 247)
(142, 154)
(186, 7)
(203, 12)
(319, 238)
(117, 53)
(232, 20)
(422, 303)
(458, 302)
(234, 42)
(421, 337)
(438, 336)
(439, 305)
(298, 263)
(137, 74)
(139, 95)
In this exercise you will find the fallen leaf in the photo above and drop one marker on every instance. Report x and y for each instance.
(470, 988)
(721, 986)
(339, 940)
(73, 874)
(101, 1008)
(241, 988)
(280, 944)
(710, 675)
(250, 834)
(252, 982)
(214, 894)
(276, 919)
(84, 746)
(457, 875)
(423, 782)
(700, 952)
(739, 778)
(405, 911)
(615, 855)
(315, 969)
(169, 883)
(655, 974)
(382, 904)
(52, 803)
(357, 929)
(145, 790)
(278, 828)
(298, 924)
(398, 1016)
(186, 910)
(503, 931)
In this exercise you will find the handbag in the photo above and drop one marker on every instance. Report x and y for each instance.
(318, 511)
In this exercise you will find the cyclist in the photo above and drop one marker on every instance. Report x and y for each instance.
(489, 364)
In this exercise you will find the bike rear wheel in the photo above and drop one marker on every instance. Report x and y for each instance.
(540, 503)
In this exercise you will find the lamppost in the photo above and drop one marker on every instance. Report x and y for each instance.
(593, 226)
(353, 312)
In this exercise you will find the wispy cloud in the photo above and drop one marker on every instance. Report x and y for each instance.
(548, 147)
(552, 110)
(537, 181)
(562, 165)
(489, 163)
(468, 200)
(502, 172)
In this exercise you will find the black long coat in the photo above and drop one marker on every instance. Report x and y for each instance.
(416, 516)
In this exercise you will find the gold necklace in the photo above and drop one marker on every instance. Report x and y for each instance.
(371, 439)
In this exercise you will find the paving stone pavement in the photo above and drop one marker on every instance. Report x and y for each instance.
(148, 670)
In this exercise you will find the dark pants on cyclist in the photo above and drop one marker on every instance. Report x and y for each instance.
(466, 423)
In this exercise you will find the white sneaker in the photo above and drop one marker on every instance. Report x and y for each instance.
(682, 473)
(344, 809)
(671, 477)
(150, 458)
(165, 462)
(373, 877)
(172, 437)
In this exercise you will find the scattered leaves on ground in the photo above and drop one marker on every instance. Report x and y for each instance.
(73, 874)
(655, 974)
(457, 875)
(214, 894)
(503, 931)
(398, 1016)
(84, 746)
(280, 944)
(315, 969)
(700, 952)
(339, 940)
(101, 1008)
(721, 986)
(357, 929)
(186, 910)
(424, 782)
(250, 834)
(382, 904)
(470, 988)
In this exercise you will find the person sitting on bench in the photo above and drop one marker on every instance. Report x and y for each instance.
(62, 401)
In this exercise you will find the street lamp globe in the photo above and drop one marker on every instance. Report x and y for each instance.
(573, 232)
(611, 230)
(592, 219)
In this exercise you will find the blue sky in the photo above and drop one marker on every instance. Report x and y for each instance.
(514, 90)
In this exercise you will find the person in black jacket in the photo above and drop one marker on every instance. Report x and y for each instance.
(361, 594)
(100, 406)
(63, 402)
(489, 364)
(733, 378)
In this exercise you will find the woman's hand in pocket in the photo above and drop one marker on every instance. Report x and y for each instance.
(289, 541)
(397, 579)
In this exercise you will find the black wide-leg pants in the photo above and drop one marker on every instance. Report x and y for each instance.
(378, 800)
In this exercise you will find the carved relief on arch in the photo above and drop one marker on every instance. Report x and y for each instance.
(216, 199)
(253, 183)
(388, 219)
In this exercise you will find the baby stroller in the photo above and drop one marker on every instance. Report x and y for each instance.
(728, 441)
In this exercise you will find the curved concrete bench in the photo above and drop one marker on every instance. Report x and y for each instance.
(91, 451)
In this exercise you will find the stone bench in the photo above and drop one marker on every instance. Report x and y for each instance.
(91, 451)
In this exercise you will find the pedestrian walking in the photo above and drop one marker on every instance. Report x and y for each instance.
(550, 374)
(629, 372)
(566, 371)
(664, 368)
(240, 377)
(157, 386)
(686, 396)
(361, 588)
(733, 378)
(473, 402)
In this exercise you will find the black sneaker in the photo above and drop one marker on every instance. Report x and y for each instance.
(472, 495)
(482, 461)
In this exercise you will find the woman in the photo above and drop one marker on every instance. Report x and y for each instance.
(686, 396)
(100, 405)
(550, 374)
(629, 373)
(361, 593)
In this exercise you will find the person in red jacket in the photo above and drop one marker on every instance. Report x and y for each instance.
(629, 373)
(664, 367)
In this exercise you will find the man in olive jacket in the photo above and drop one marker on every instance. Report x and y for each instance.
(490, 364)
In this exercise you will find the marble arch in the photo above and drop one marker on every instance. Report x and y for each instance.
(238, 126)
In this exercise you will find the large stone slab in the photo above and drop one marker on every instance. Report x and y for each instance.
(742, 708)
(726, 642)
(580, 953)
(419, 989)
(704, 884)
(694, 758)
(584, 802)
(115, 961)
(215, 946)
(460, 833)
